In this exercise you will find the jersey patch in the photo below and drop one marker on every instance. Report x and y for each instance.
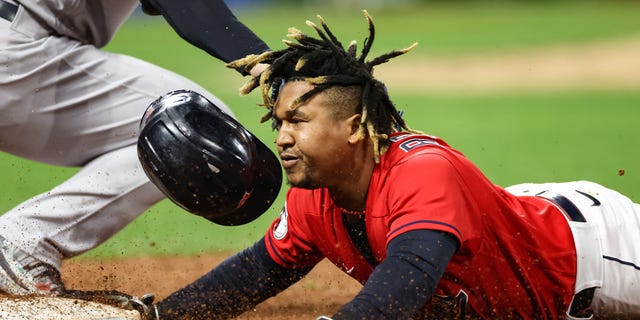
(412, 141)
(282, 226)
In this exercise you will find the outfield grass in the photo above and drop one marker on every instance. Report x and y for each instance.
(462, 27)
(513, 137)
(538, 137)
(441, 29)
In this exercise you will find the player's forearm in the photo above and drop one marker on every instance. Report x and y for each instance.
(401, 285)
(211, 26)
(233, 287)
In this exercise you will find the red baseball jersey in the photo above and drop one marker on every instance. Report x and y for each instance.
(516, 257)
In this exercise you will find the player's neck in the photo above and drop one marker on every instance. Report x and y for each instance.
(351, 205)
(351, 194)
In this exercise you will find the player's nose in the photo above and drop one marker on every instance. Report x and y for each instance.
(284, 139)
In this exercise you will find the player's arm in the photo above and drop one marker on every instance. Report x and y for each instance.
(403, 282)
(209, 25)
(236, 285)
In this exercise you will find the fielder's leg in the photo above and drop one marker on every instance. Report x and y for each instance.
(66, 103)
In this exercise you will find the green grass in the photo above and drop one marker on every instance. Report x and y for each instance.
(538, 137)
(461, 27)
(513, 137)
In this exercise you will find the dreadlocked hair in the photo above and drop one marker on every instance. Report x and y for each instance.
(325, 63)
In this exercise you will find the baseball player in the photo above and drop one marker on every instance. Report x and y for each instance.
(419, 225)
(66, 102)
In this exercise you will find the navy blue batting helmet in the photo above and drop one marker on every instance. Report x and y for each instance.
(205, 161)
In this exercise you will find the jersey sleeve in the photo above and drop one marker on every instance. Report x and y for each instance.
(211, 26)
(429, 193)
(288, 238)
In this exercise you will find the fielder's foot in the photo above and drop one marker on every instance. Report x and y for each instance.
(22, 274)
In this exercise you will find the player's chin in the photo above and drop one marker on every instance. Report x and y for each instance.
(299, 180)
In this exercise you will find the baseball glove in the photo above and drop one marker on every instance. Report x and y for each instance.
(143, 304)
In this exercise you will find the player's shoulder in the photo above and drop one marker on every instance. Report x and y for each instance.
(405, 146)
(402, 137)
(413, 142)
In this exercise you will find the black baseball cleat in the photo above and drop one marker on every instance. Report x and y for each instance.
(22, 274)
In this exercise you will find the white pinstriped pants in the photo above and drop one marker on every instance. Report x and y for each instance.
(607, 245)
(70, 104)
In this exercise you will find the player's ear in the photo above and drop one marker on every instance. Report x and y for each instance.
(354, 128)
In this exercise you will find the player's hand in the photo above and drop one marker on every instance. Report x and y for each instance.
(143, 304)
(258, 69)
(148, 310)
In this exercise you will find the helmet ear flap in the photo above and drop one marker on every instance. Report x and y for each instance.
(205, 161)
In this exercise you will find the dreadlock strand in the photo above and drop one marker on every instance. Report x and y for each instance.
(374, 139)
(266, 117)
(317, 80)
(250, 61)
(352, 48)
(307, 40)
(342, 80)
(383, 58)
(364, 119)
(390, 55)
(241, 62)
(380, 126)
(371, 128)
(368, 40)
(293, 44)
(308, 43)
(362, 129)
(328, 37)
(301, 62)
(307, 95)
(264, 89)
(303, 39)
(265, 56)
(318, 31)
(249, 86)
(405, 50)
(293, 32)
(281, 58)
(329, 33)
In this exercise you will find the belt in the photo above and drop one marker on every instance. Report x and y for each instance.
(570, 209)
(8, 10)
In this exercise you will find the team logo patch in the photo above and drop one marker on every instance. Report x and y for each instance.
(282, 226)
(412, 141)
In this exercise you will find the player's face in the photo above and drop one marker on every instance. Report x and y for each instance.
(312, 141)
